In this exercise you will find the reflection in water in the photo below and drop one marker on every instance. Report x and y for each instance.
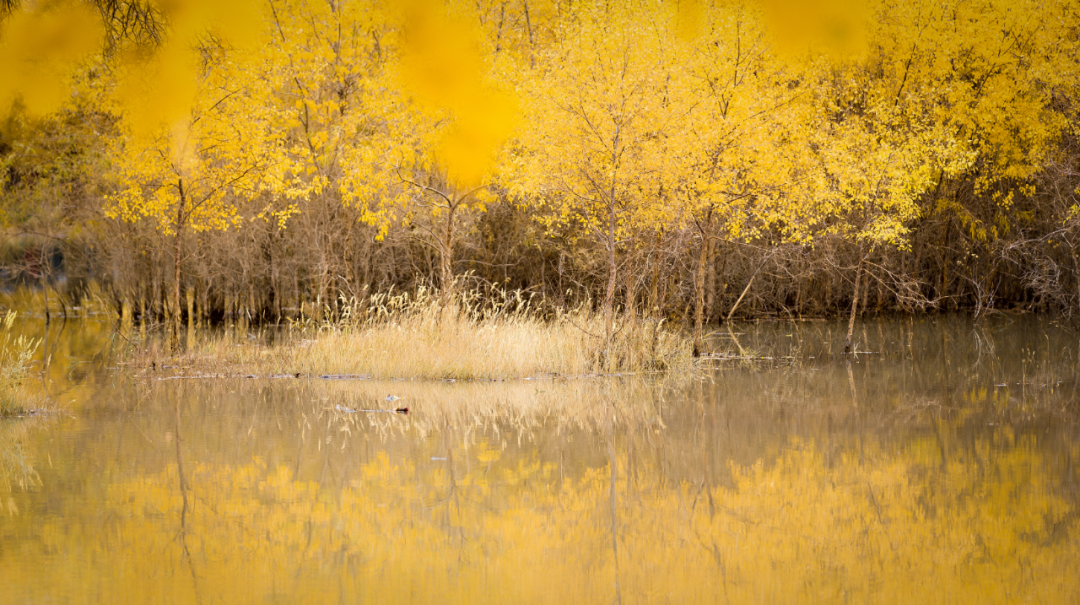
(183, 485)
(613, 465)
(940, 468)
(16, 462)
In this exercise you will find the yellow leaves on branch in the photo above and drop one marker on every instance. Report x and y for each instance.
(192, 173)
(602, 123)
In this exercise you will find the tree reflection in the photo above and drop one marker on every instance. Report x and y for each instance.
(182, 534)
(808, 483)
(495, 520)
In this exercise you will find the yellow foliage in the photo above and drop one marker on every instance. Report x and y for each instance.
(756, 118)
(187, 165)
(602, 133)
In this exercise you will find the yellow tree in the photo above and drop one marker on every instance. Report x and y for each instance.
(424, 145)
(602, 129)
(188, 175)
(874, 171)
(460, 120)
(1002, 75)
(875, 141)
(389, 107)
(939, 110)
(868, 135)
(334, 106)
(735, 164)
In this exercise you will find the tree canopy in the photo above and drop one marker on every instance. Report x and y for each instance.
(933, 145)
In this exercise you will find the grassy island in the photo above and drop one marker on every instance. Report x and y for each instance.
(422, 336)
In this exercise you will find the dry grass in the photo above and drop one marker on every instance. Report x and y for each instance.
(15, 357)
(496, 335)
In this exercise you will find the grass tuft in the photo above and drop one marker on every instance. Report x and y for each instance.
(15, 356)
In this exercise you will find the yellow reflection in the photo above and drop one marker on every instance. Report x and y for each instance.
(439, 523)
(522, 406)
(17, 465)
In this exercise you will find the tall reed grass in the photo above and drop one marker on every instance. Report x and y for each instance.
(480, 334)
(15, 357)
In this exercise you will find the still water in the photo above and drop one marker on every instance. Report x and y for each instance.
(940, 465)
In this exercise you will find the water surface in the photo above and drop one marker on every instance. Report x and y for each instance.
(939, 465)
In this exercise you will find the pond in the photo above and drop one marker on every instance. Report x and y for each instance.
(939, 465)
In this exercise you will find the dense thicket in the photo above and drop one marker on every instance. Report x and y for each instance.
(679, 158)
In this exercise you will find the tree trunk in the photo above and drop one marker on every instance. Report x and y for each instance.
(629, 293)
(176, 267)
(699, 300)
(446, 251)
(125, 316)
(609, 291)
(609, 294)
(654, 284)
(43, 279)
(174, 304)
(143, 315)
(710, 281)
(854, 305)
(190, 295)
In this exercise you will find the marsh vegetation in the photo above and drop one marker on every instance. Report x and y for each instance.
(425, 337)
